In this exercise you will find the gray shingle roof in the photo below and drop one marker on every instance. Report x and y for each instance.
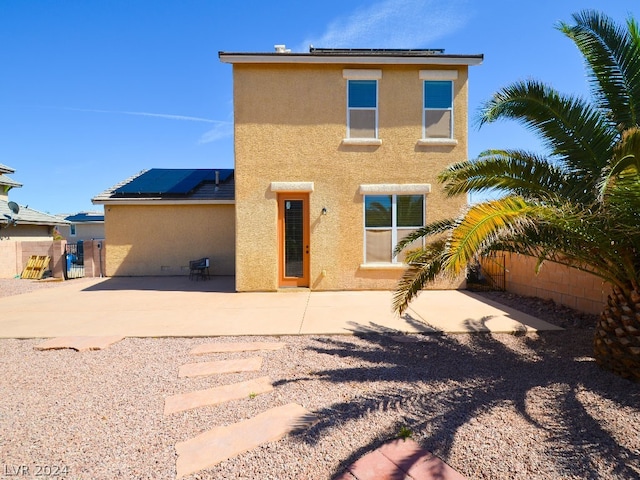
(27, 216)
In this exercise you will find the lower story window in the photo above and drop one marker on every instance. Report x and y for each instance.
(388, 219)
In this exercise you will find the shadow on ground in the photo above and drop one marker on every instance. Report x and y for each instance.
(446, 381)
(182, 283)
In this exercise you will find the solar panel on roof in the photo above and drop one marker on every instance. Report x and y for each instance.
(172, 181)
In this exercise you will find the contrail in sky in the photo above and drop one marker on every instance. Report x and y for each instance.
(220, 130)
(147, 114)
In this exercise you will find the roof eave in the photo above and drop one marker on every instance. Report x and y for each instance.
(157, 201)
(274, 58)
(20, 221)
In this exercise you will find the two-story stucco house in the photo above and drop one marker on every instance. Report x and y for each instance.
(336, 157)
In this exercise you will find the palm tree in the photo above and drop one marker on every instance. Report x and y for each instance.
(577, 205)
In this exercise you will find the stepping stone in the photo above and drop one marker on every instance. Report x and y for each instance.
(216, 395)
(221, 443)
(403, 460)
(78, 343)
(221, 366)
(235, 347)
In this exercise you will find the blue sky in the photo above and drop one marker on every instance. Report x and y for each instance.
(92, 92)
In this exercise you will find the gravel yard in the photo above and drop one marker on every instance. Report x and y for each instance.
(492, 406)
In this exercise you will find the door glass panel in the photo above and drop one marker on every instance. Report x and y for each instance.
(293, 238)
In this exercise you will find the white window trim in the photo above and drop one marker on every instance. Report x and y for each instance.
(383, 266)
(291, 187)
(438, 141)
(438, 75)
(394, 263)
(435, 142)
(72, 230)
(362, 141)
(395, 189)
(361, 74)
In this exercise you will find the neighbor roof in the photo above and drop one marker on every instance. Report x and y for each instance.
(355, 56)
(171, 185)
(85, 217)
(27, 216)
(5, 169)
(5, 180)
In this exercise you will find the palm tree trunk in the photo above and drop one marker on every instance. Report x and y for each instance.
(617, 336)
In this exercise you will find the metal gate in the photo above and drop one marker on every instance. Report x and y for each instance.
(74, 261)
(489, 273)
(493, 269)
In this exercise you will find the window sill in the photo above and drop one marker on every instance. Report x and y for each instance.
(362, 141)
(383, 266)
(437, 142)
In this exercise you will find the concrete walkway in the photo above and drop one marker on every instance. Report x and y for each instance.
(177, 306)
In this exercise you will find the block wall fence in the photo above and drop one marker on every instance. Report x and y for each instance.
(14, 256)
(564, 285)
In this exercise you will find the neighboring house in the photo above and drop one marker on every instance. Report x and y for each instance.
(82, 226)
(336, 158)
(23, 230)
(337, 154)
(160, 219)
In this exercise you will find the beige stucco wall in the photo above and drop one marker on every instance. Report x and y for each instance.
(160, 240)
(289, 124)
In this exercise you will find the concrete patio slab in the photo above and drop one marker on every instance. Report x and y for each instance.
(202, 369)
(216, 395)
(236, 347)
(79, 343)
(455, 311)
(176, 306)
(216, 445)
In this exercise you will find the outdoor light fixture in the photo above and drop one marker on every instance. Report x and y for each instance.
(324, 210)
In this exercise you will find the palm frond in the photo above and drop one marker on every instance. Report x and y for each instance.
(612, 54)
(569, 127)
(483, 224)
(415, 277)
(433, 229)
(625, 164)
(511, 171)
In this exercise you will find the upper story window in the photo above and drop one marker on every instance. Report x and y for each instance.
(72, 229)
(362, 106)
(437, 103)
(438, 109)
(362, 120)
